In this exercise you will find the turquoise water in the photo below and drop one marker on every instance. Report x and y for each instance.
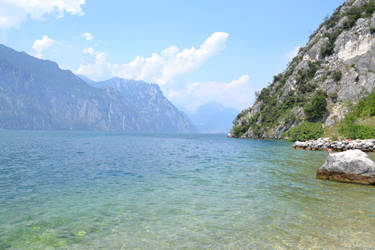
(84, 190)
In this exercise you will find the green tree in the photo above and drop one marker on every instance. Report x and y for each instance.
(306, 131)
(315, 110)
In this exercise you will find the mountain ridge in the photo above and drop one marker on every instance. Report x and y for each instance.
(149, 99)
(37, 94)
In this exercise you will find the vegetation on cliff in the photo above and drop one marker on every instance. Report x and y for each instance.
(323, 83)
(317, 107)
(306, 131)
(351, 126)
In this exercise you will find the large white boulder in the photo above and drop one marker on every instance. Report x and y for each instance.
(349, 166)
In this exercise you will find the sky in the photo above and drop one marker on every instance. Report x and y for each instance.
(198, 51)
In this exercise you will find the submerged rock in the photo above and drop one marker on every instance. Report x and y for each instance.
(349, 166)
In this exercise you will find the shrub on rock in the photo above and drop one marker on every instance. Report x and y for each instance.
(306, 131)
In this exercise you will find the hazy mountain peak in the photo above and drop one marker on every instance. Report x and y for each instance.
(213, 117)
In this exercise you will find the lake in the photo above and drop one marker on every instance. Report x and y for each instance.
(85, 190)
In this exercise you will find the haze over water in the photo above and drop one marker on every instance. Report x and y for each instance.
(111, 190)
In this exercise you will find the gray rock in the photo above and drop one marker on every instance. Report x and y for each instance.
(300, 145)
(324, 144)
(349, 166)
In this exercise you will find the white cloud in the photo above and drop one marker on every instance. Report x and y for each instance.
(236, 94)
(164, 67)
(40, 45)
(89, 51)
(160, 68)
(3, 36)
(14, 12)
(88, 36)
(291, 54)
(99, 68)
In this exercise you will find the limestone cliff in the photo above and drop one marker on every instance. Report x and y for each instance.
(335, 69)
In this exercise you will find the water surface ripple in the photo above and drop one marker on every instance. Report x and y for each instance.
(111, 190)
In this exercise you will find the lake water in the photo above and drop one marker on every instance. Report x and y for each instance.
(85, 190)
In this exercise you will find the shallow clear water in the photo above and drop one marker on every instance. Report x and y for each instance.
(105, 190)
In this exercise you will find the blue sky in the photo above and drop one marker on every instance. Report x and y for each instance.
(197, 51)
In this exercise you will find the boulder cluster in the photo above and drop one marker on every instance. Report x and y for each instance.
(323, 144)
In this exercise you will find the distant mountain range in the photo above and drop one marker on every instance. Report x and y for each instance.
(37, 94)
(213, 117)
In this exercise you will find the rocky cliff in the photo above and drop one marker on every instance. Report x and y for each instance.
(155, 112)
(37, 94)
(333, 72)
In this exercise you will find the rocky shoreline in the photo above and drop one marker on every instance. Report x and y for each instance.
(324, 144)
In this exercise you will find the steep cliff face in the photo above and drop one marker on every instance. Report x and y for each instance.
(155, 112)
(37, 94)
(333, 71)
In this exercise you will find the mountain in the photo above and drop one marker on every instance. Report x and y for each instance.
(37, 94)
(213, 117)
(327, 89)
(155, 111)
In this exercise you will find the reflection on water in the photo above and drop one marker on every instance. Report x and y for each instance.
(91, 190)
